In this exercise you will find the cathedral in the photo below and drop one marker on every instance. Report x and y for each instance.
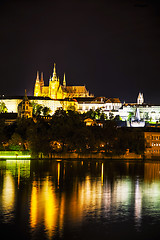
(57, 91)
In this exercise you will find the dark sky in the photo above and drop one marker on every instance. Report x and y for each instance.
(111, 46)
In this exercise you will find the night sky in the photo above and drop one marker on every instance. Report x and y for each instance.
(111, 46)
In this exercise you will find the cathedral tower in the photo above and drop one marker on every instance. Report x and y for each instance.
(37, 90)
(54, 84)
(41, 82)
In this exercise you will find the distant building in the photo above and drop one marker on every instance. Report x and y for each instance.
(152, 140)
(107, 105)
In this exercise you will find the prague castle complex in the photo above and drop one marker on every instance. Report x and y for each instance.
(59, 95)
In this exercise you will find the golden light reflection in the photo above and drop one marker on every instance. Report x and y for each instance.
(50, 207)
(87, 196)
(19, 174)
(34, 205)
(8, 196)
(151, 172)
(102, 174)
(44, 207)
(59, 168)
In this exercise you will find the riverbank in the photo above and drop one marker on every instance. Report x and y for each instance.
(4, 155)
(90, 156)
(70, 155)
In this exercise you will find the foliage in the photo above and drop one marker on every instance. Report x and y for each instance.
(3, 108)
(46, 111)
(38, 110)
(16, 142)
(66, 132)
(130, 115)
(97, 114)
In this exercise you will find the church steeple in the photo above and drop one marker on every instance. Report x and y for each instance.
(42, 81)
(64, 80)
(37, 79)
(54, 73)
(37, 90)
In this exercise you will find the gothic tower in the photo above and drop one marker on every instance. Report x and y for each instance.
(37, 89)
(41, 82)
(54, 84)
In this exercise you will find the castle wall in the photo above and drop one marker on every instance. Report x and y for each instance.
(12, 104)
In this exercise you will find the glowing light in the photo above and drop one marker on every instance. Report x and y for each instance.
(8, 196)
(15, 157)
(34, 207)
(59, 168)
(50, 207)
(138, 202)
(122, 191)
(102, 174)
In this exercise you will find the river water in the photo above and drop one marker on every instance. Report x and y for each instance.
(54, 199)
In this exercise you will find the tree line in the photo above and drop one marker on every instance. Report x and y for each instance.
(66, 131)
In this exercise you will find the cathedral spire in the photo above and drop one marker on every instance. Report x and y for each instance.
(64, 80)
(37, 86)
(41, 76)
(37, 79)
(42, 81)
(54, 72)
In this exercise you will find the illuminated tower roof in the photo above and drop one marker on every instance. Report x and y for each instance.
(140, 99)
(37, 79)
(54, 78)
(64, 81)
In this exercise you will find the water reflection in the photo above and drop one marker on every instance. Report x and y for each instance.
(65, 194)
(8, 197)
(138, 203)
(11, 172)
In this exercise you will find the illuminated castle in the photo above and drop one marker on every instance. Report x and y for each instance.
(57, 91)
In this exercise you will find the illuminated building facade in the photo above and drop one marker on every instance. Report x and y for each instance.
(57, 91)
(107, 105)
(57, 95)
(152, 140)
(148, 113)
